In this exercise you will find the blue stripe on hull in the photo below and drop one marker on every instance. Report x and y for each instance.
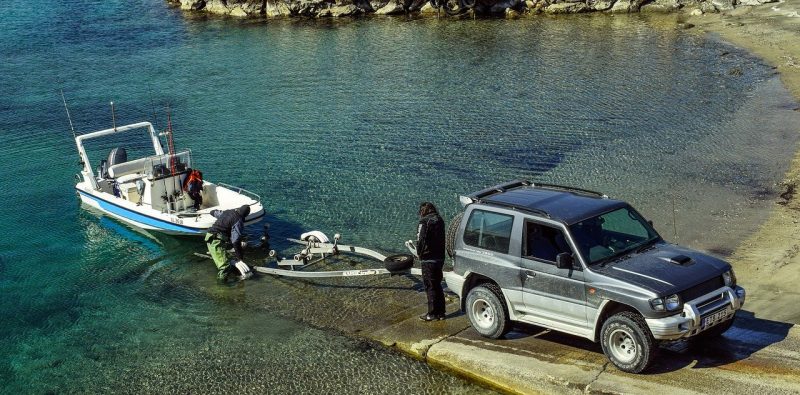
(142, 219)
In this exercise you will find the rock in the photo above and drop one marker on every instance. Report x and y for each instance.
(601, 5)
(707, 7)
(722, 5)
(696, 12)
(393, 7)
(754, 2)
(565, 8)
(192, 4)
(378, 4)
(279, 9)
(661, 6)
(511, 14)
(238, 12)
(621, 7)
(337, 11)
(216, 7)
(427, 9)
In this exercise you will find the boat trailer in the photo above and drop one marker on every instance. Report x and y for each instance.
(317, 247)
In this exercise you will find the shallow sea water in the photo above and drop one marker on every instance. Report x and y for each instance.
(342, 126)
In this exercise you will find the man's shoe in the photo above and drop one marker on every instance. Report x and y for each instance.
(431, 317)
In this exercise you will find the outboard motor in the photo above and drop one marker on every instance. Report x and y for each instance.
(116, 156)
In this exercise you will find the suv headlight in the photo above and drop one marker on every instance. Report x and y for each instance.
(670, 303)
(673, 302)
(729, 278)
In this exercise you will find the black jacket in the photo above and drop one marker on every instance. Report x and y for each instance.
(230, 225)
(430, 238)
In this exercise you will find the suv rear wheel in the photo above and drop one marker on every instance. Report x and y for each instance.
(486, 310)
(627, 342)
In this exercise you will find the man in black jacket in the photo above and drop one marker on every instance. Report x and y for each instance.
(430, 250)
(229, 227)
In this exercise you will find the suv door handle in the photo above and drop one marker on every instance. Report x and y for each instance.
(530, 274)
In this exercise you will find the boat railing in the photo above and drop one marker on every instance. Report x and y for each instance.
(242, 191)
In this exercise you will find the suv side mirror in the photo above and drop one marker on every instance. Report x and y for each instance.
(564, 260)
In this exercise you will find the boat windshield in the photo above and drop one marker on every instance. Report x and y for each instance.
(613, 235)
(162, 165)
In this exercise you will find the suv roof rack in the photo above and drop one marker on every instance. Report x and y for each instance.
(499, 188)
(521, 208)
(569, 189)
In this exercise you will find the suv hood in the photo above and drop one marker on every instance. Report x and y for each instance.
(665, 268)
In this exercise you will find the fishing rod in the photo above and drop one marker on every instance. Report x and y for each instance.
(71, 127)
(113, 117)
(153, 105)
(172, 159)
(69, 118)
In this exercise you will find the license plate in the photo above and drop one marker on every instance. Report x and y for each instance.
(715, 317)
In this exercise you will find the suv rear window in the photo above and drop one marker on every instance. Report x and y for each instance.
(489, 230)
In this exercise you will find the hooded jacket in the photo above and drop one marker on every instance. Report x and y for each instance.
(230, 226)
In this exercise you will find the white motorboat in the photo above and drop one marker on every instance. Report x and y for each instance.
(148, 192)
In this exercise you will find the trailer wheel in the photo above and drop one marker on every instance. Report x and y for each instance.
(399, 263)
(450, 238)
(627, 342)
(487, 311)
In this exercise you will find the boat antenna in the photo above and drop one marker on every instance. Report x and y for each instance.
(69, 118)
(113, 117)
(153, 104)
(170, 143)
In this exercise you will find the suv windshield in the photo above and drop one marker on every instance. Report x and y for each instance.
(613, 234)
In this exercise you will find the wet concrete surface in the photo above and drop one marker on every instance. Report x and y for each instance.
(755, 356)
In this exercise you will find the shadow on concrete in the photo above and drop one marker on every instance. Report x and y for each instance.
(747, 336)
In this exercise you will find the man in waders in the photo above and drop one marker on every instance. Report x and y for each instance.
(430, 250)
(229, 227)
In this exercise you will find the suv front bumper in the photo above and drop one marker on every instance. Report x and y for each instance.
(700, 314)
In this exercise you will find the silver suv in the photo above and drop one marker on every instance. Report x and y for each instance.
(578, 262)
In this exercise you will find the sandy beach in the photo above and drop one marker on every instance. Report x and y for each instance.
(768, 262)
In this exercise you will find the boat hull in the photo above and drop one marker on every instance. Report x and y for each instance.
(144, 218)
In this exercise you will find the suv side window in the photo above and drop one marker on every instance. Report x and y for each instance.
(489, 230)
(543, 242)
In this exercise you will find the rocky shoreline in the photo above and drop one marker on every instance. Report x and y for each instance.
(509, 8)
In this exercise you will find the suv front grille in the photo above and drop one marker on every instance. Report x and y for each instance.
(702, 289)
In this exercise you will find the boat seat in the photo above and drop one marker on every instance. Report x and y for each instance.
(131, 167)
(129, 178)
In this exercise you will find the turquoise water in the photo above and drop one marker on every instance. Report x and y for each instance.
(342, 126)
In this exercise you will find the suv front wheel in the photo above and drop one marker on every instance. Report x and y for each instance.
(487, 311)
(627, 342)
